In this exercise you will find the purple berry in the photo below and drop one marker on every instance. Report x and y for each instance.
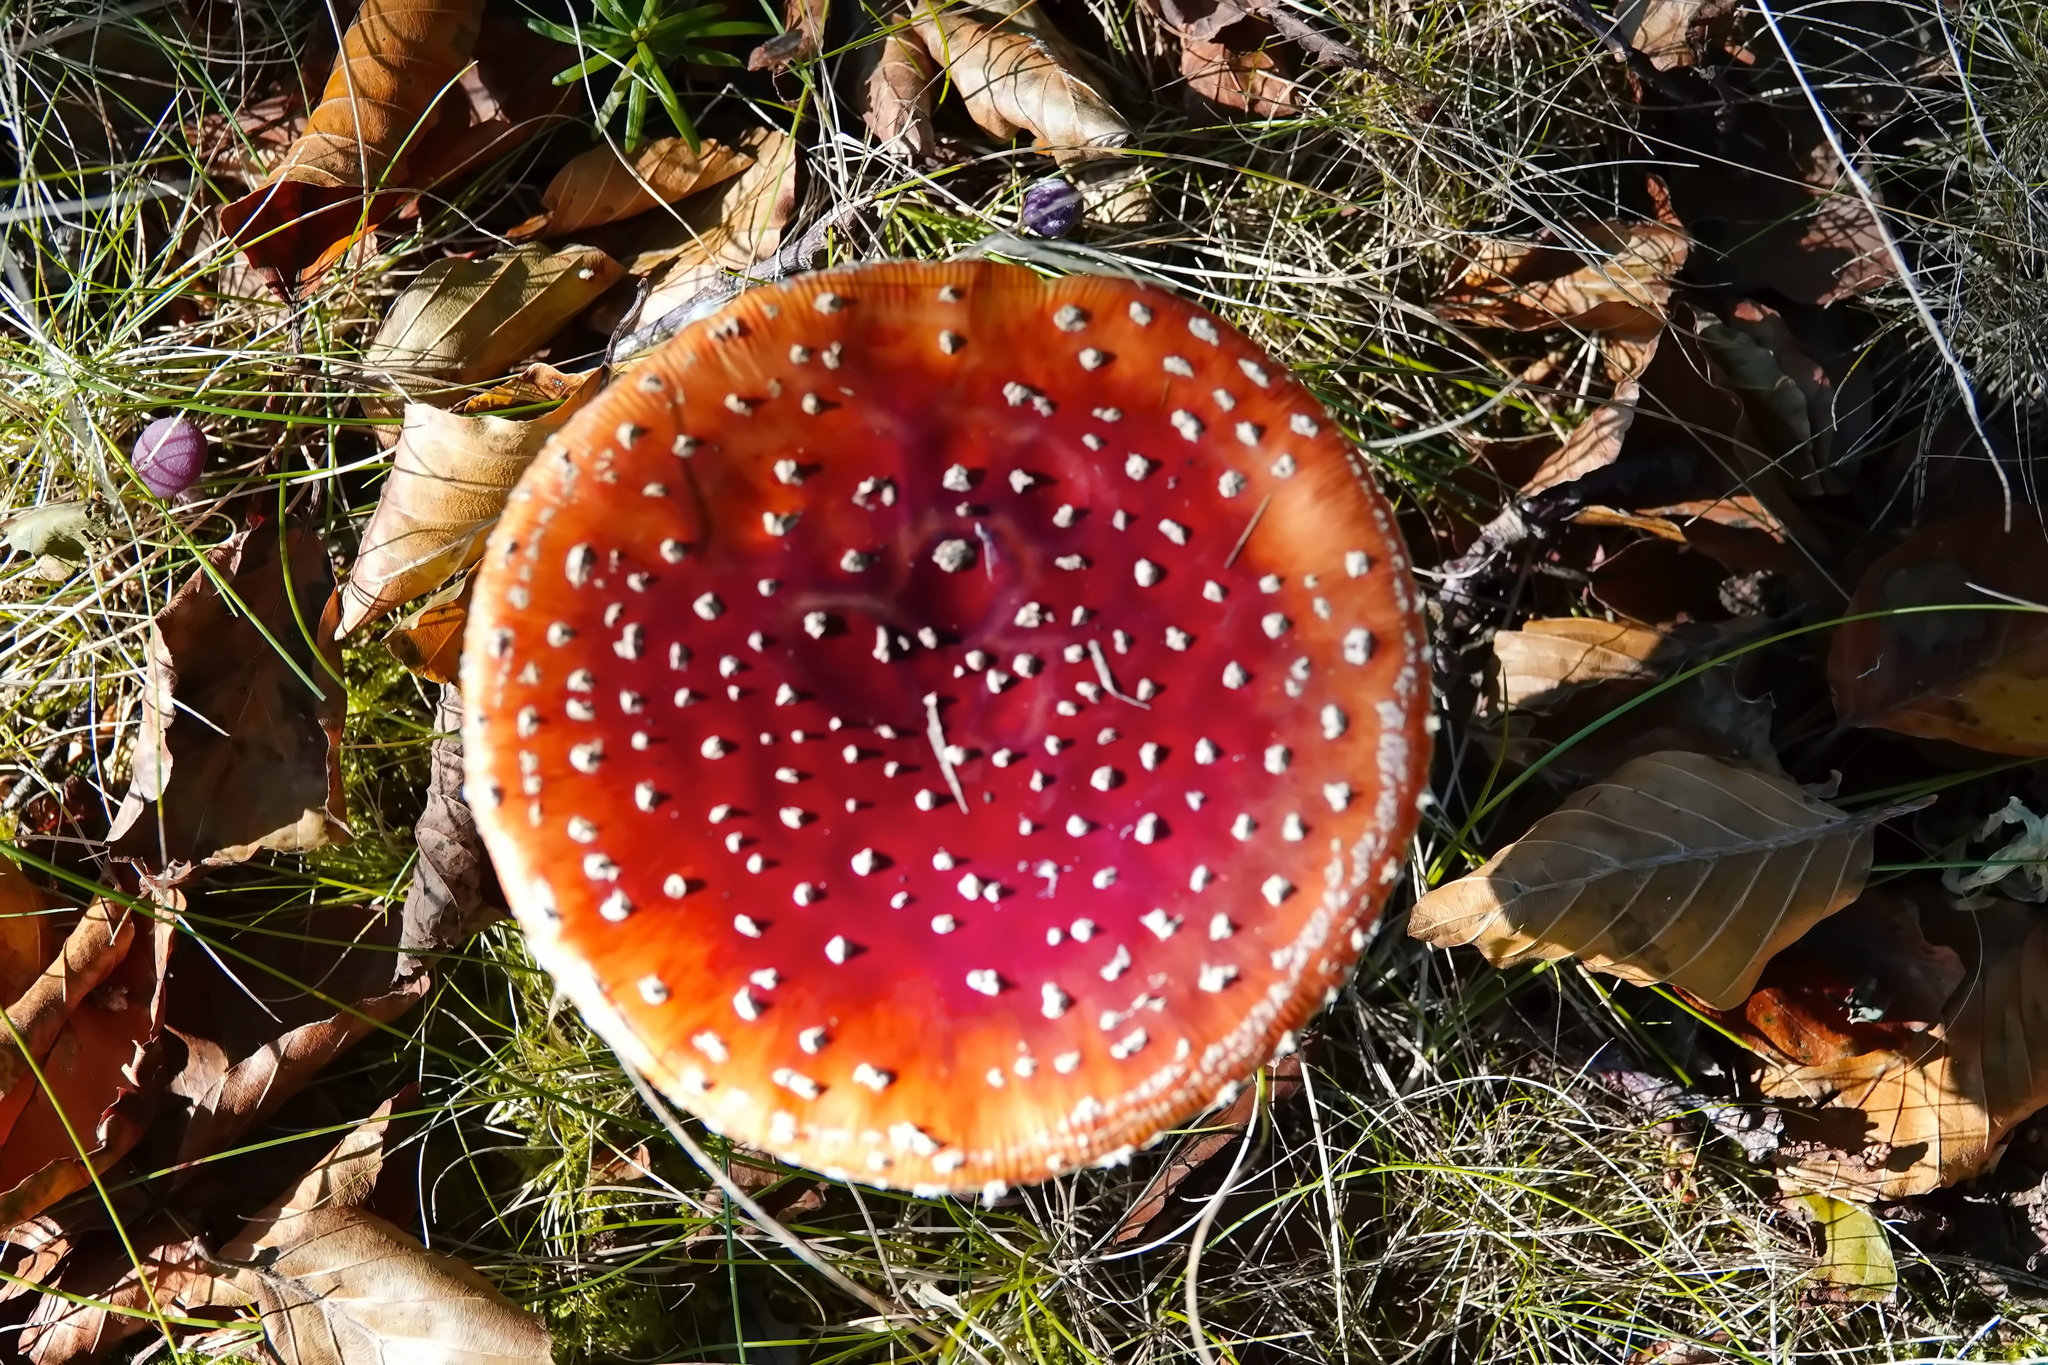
(169, 454)
(1052, 208)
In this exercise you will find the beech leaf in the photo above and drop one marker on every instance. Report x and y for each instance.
(1971, 676)
(1856, 1264)
(462, 321)
(241, 711)
(1932, 1106)
(1533, 286)
(726, 231)
(599, 187)
(1545, 660)
(337, 1285)
(1678, 868)
(450, 476)
(399, 61)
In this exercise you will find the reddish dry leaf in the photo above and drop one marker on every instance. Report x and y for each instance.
(94, 1082)
(601, 187)
(1967, 674)
(450, 475)
(509, 96)
(297, 1003)
(1533, 286)
(1592, 445)
(26, 932)
(1247, 76)
(1928, 1106)
(96, 945)
(242, 713)
(400, 61)
(429, 641)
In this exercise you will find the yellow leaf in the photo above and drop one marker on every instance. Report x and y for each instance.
(599, 187)
(1856, 1259)
(450, 476)
(1678, 868)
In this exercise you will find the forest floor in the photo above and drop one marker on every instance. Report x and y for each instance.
(1673, 319)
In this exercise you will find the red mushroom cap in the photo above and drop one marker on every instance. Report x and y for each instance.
(946, 726)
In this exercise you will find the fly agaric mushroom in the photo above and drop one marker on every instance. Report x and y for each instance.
(945, 726)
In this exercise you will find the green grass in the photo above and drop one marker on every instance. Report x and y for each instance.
(1441, 1191)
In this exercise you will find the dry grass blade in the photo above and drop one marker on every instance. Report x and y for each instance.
(1678, 868)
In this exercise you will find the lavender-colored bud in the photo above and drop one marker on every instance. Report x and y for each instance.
(1052, 208)
(169, 454)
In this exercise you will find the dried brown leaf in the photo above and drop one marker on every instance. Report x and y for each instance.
(1674, 33)
(93, 1079)
(1017, 75)
(601, 187)
(450, 475)
(464, 321)
(96, 945)
(429, 641)
(1934, 1106)
(399, 60)
(726, 231)
(896, 97)
(1546, 660)
(297, 1002)
(1678, 868)
(1971, 676)
(336, 1285)
(242, 711)
(508, 97)
(112, 1303)
(445, 903)
(1252, 79)
(1533, 286)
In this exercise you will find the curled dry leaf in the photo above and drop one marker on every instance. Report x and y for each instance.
(241, 711)
(726, 231)
(445, 903)
(450, 475)
(1678, 868)
(602, 187)
(1017, 74)
(1975, 675)
(462, 321)
(1531, 286)
(508, 96)
(896, 96)
(1925, 1106)
(1675, 33)
(25, 935)
(96, 1072)
(399, 60)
